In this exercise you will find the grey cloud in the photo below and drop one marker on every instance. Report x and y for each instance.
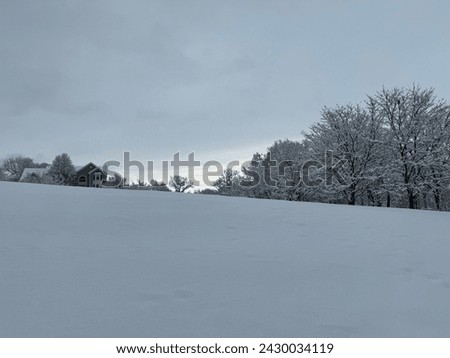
(95, 78)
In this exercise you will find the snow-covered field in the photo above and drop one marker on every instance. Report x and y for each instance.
(113, 263)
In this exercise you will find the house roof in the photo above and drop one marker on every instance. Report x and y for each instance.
(30, 171)
(96, 167)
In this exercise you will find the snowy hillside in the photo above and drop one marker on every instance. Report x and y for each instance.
(114, 263)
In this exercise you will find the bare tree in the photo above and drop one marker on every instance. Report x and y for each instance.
(180, 184)
(158, 186)
(13, 167)
(410, 116)
(349, 134)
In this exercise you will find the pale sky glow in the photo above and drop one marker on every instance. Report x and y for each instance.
(218, 78)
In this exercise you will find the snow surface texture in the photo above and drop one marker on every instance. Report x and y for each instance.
(77, 262)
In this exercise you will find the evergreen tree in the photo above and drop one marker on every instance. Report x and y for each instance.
(62, 170)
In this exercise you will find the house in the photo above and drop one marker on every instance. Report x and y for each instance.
(89, 175)
(33, 175)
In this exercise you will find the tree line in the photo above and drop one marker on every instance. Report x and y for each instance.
(62, 172)
(393, 150)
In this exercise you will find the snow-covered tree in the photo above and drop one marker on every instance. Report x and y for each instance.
(62, 170)
(180, 184)
(289, 156)
(393, 150)
(229, 183)
(414, 118)
(13, 167)
(113, 181)
(436, 168)
(158, 186)
(258, 181)
(346, 134)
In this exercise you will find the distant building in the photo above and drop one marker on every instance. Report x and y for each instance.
(90, 176)
(33, 175)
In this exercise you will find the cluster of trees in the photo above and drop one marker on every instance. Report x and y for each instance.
(393, 150)
(178, 183)
(60, 172)
(153, 185)
(12, 168)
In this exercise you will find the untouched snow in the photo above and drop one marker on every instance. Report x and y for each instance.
(113, 263)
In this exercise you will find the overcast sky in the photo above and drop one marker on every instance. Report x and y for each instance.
(221, 78)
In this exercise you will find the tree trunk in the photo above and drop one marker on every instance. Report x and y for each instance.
(411, 199)
(352, 200)
(437, 199)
